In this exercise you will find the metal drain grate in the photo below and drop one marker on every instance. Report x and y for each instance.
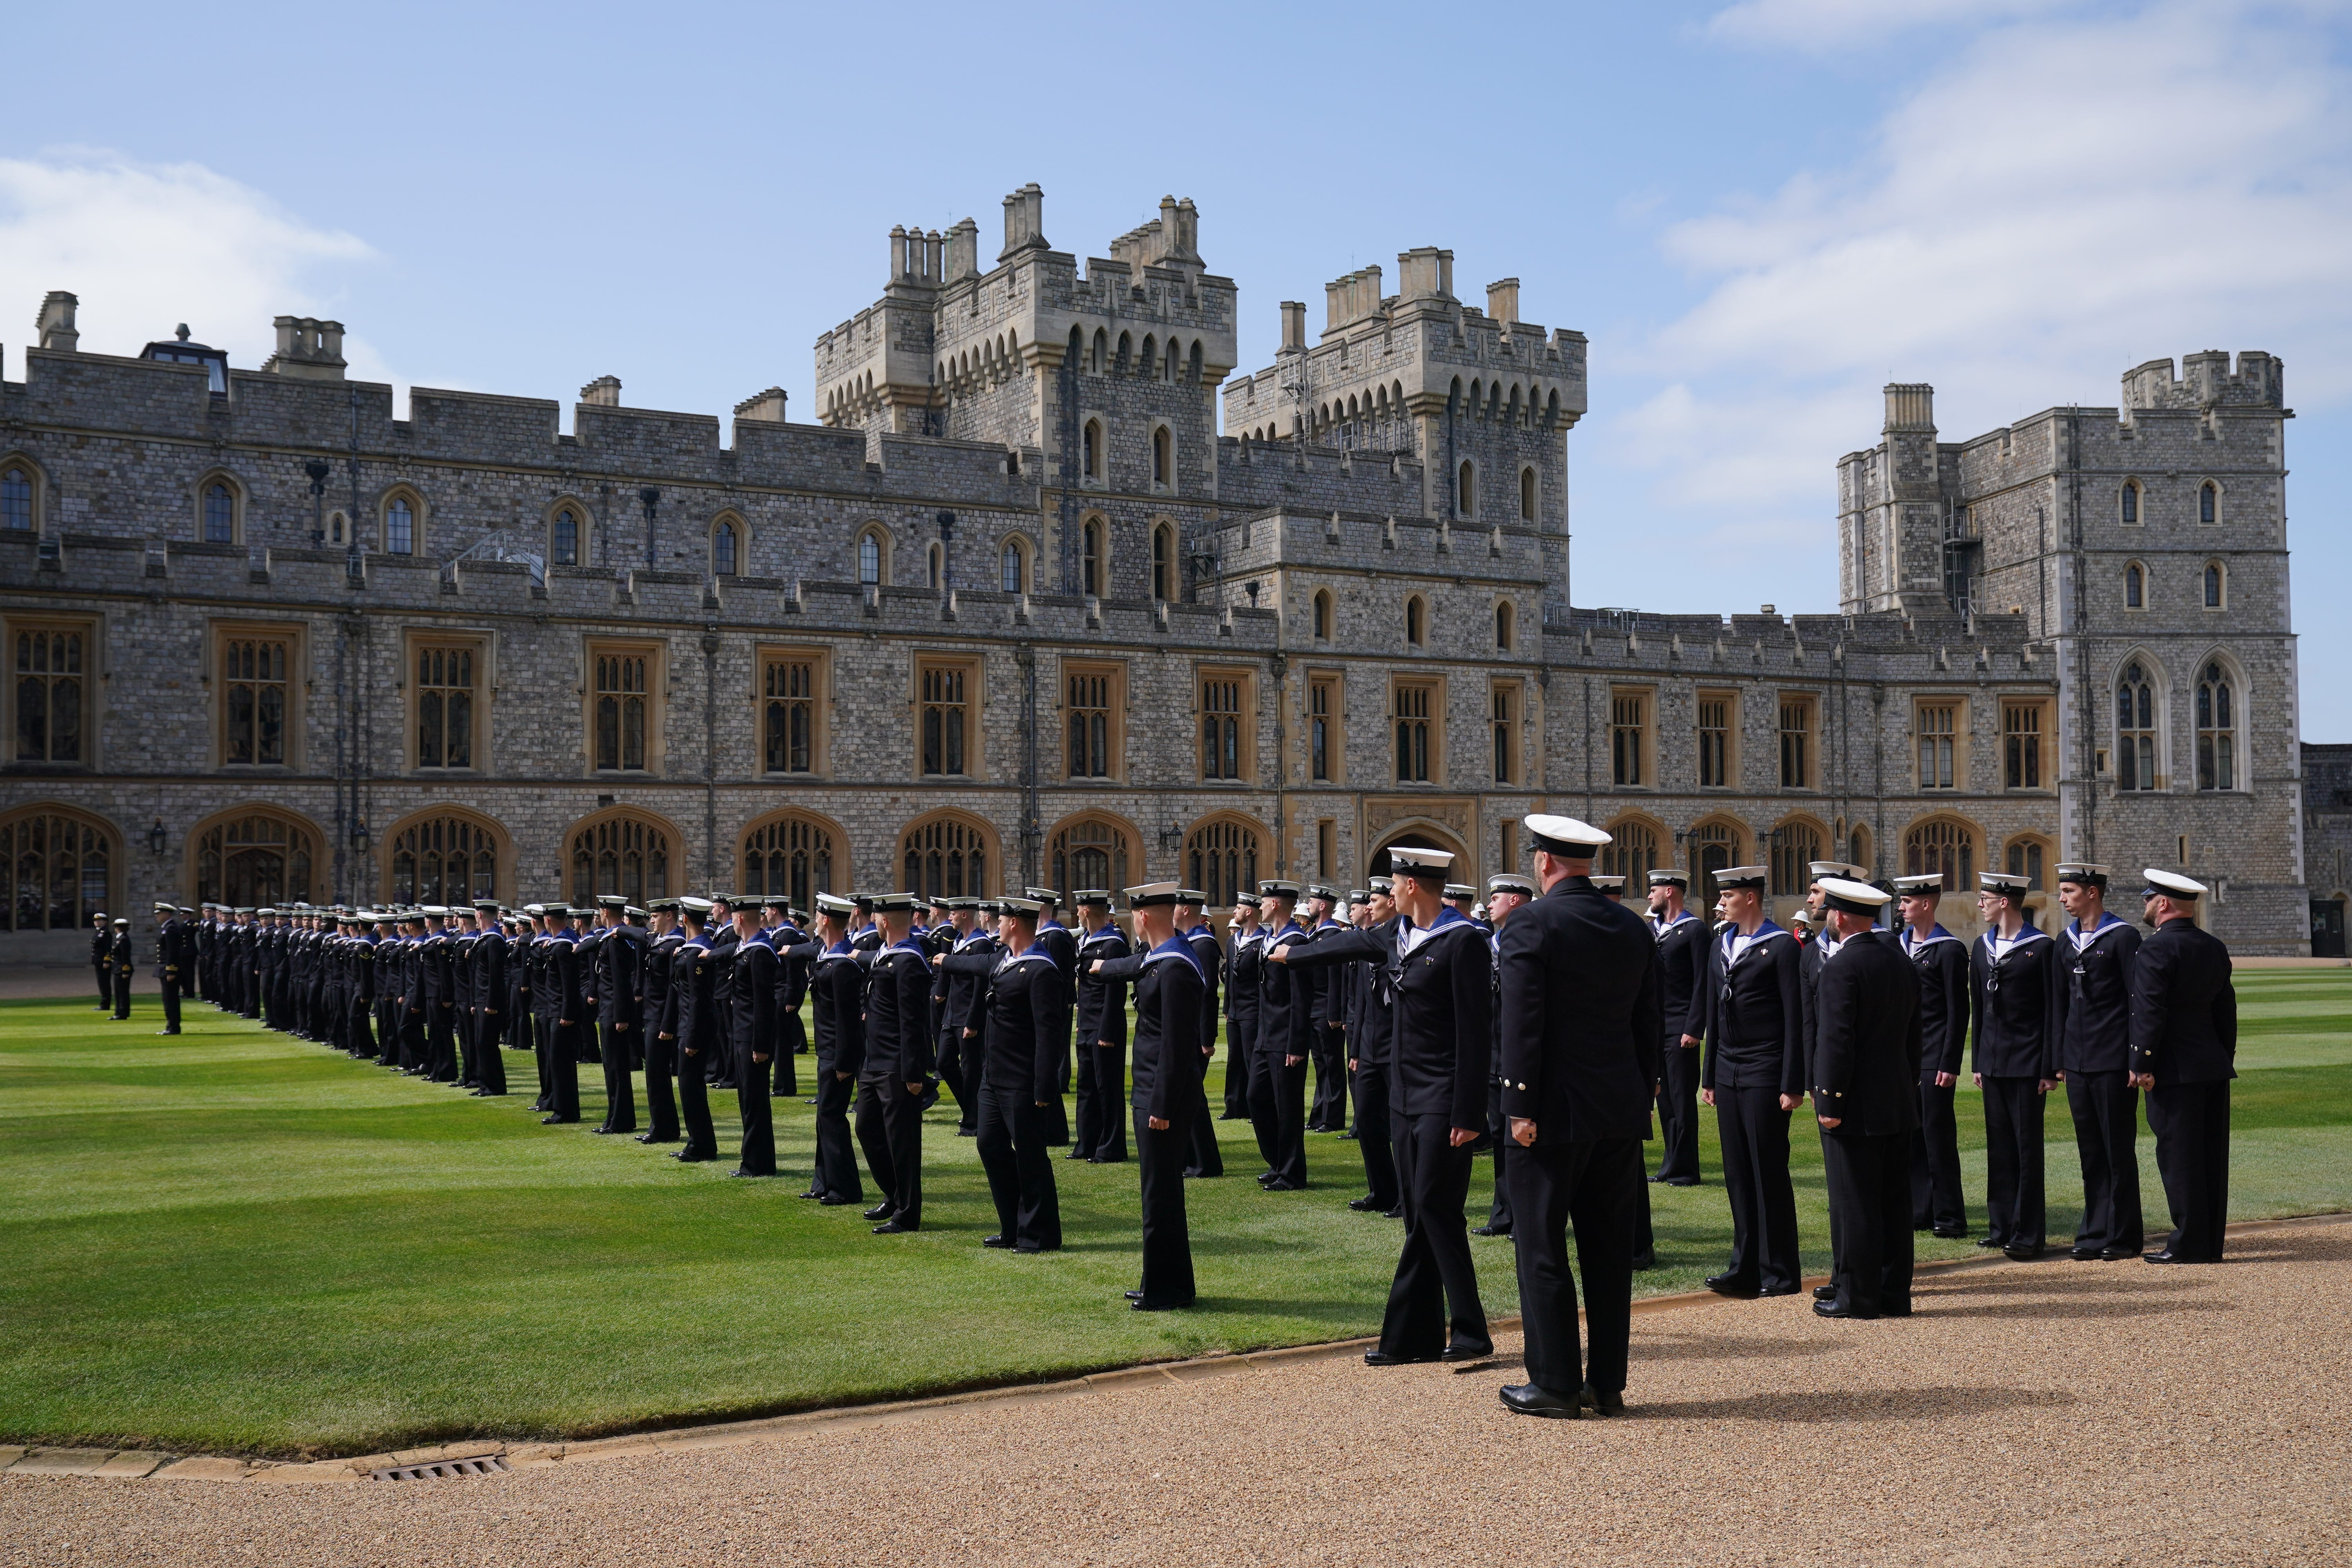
(441, 1470)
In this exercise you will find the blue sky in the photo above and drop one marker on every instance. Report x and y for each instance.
(1759, 212)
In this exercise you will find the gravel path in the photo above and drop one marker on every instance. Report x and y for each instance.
(2050, 1412)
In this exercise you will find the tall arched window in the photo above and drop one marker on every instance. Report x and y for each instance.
(1466, 491)
(17, 497)
(1526, 495)
(1714, 845)
(261, 858)
(621, 693)
(2134, 587)
(1011, 576)
(946, 857)
(2131, 502)
(1221, 860)
(1089, 854)
(2217, 744)
(2136, 729)
(1323, 615)
(624, 855)
(220, 513)
(399, 527)
(792, 856)
(869, 557)
(449, 859)
(723, 548)
(2209, 501)
(1416, 621)
(58, 869)
(1504, 615)
(1631, 853)
(51, 683)
(2027, 857)
(1795, 847)
(1941, 846)
(2214, 584)
(935, 566)
(563, 541)
(1094, 556)
(1163, 563)
(1092, 450)
(1163, 457)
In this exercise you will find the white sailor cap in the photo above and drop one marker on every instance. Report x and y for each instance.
(1512, 882)
(1153, 894)
(1931, 882)
(833, 904)
(1457, 891)
(1099, 897)
(2009, 884)
(1669, 877)
(1281, 890)
(1330, 895)
(1853, 897)
(1742, 877)
(1378, 884)
(891, 903)
(2171, 885)
(1422, 864)
(2084, 873)
(1358, 896)
(1609, 884)
(689, 904)
(1820, 870)
(1565, 837)
(1047, 897)
(1193, 896)
(1019, 909)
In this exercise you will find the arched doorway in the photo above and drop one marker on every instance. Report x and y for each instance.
(1221, 859)
(255, 857)
(945, 856)
(1091, 852)
(621, 853)
(442, 856)
(1423, 838)
(793, 855)
(1714, 847)
(59, 865)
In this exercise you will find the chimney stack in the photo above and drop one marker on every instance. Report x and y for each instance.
(308, 349)
(604, 392)
(1425, 273)
(1503, 300)
(1293, 323)
(1910, 405)
(767, 406)
(964, 250)
(1024, 221)
(55, 322)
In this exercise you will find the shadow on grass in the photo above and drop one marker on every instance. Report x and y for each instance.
(1857, 1404)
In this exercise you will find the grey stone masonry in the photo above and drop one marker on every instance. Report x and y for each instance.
(1018, 610)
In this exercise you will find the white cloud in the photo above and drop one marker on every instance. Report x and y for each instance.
(2061, 200)
(148, 245)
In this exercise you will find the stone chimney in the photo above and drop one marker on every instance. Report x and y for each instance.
(55, 322)
(1910, 405)
(1293, 323)
(1024, 222)
(1503, 300)
(1425, 273)
(604, 392)
(964, 250)
(767, 406)
(308, 349)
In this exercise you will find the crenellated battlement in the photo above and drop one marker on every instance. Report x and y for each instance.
(2206, 382)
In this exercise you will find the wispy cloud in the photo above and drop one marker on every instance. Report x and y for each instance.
(148, 245)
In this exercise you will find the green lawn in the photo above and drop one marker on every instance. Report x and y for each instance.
(235, 1240)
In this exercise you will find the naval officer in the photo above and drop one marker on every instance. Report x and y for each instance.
(2099, 952)
(1754, 1076)
(1169, 988)
(1019, 1005)
(1865, 1070)
(1941, 962)
(1681, 938)
(2019, 1008)
(2184, 1049)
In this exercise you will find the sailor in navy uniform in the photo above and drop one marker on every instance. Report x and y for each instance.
(837, 1001)
(1244, 978)
(1169, 987)
(751, 1025)
(1327, 1109)
(898, 1046)
(792, 990)
(102, 952)
(1054, 940)
(2184, 1050)
(1579, 1039)
(690, 1016)
(487, 960)
(1864, 1073)
(659, 972)
(1504, 894)
(1019, 1005)
(1192, 923)
(1681, 938)
(2099, 952)
(956, 1008)
(1754, 1076)
(1941, 961)
(1371, 1033)
(1285, 1027)
(1102, 1035)
(175, 960)
(2019, 1006)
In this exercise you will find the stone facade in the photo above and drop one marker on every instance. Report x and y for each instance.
(1017, 610)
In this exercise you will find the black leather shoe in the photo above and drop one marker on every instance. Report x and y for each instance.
(1163, 1307)
(1382, 1358)
(1527, 1399)
(830, 1202)
(1494, 1230)
(1134, 1295)
(558, 1121)
(1465, 1353)
(1986, 1241)
(1681, 1181)
(1286, 1187)
(882, 1211)
(688, 1157)
(1367, 1205)
(1075, 1155)
(1601, 1401)
(1824, 1292)
(2024, 1254)
(996, 1241)
(1727, 1285)
(894, 1227)
(1838, 1310)
(2084, 1254)
(1952, 1233)
(1644, 1260)
(2116, 1254)
(754, 1176)
(1350, 1135)
(606, 1132)
(961, 1132)
(1396, 1213)
(1778, 1291)
(2166, 1256)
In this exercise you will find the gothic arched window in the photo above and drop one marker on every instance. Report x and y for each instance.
(624, 855)
(2134, 728)
(2217, 744)
(57, 868)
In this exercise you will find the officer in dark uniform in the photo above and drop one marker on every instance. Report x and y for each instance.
(1865, 1072)
(1372, 1038)
(1681, 937)
(1169, 988)
(1019, 1002)
(570, 1006)
(1581, 1032)
(1505, 896)
(1754, 1076)
(751, 1025)
(175, 955)
(898, 1042)
(1102, 1035)
(837, 1000)
(1941, 961)
(1244, 960)
(1285, 1033)
(689, 1017)
(620, 1003)
(1206, 1159)
(2184, 1052)
(2018, 1003)
(2094, 1063)
(117, 966)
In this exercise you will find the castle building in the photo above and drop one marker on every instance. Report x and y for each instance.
(1027, 605)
